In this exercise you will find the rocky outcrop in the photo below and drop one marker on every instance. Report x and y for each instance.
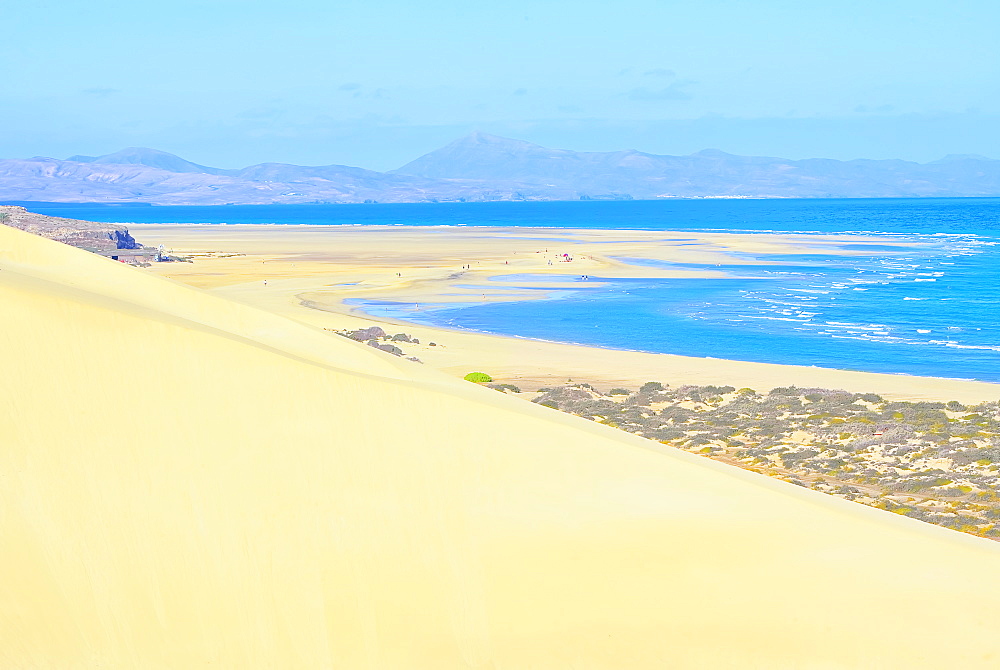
(96, 237)
(374, 336)
(365, 334)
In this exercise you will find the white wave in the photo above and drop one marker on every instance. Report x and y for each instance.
(863, 326)
(987, 347)
(773, 318)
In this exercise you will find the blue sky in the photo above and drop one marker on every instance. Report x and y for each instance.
(377, 83)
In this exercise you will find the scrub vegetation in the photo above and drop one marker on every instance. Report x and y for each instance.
(933, 461)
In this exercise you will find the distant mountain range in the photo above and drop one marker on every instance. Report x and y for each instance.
(481, 167)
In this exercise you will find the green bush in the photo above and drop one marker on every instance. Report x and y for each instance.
(619, 391)
(650, 387)
(478, 377)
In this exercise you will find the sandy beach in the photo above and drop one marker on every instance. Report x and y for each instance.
(310, 270)
(191, 481)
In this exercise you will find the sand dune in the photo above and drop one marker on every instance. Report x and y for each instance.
(191, 482)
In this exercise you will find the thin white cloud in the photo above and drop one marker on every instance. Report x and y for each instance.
(675, 91)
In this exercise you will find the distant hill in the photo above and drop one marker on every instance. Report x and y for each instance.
(149, 158)
(709, 173)
(482, 167)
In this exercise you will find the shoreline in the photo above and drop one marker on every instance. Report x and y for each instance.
(675, 369)
(359, 312)
(402, 323)
(311, 270)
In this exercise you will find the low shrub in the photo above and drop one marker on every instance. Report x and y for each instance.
(478, 377)
(619, 391)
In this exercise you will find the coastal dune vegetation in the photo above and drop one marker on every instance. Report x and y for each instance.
(190, 481)
(934, 461)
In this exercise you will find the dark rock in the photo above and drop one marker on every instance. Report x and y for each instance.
(392, 349)
(365, 334)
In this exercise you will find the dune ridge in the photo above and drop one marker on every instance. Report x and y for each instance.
(193, 482)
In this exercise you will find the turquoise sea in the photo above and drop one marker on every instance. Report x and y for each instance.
(932, 309)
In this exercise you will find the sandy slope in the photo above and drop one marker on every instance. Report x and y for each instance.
(190, 482)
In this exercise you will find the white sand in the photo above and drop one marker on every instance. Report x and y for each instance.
(189, 482)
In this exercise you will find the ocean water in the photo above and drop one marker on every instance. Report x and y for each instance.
(930, 309)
